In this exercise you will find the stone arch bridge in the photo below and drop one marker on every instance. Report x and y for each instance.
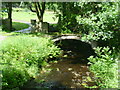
(73, 45)
(73, 37)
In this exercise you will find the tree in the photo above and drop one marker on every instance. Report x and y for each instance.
(39, 9)
(67, 12)
(7, 23)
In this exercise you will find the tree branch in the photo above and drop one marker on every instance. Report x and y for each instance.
(39, 7)
(30, 7)
(43, 7)
(37, 11)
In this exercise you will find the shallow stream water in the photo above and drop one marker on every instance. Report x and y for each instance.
(68, 73)
(65, 73)
(71, 71)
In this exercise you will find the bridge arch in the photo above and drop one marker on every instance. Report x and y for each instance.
(62, 37)
(73, 37)
(73, 44)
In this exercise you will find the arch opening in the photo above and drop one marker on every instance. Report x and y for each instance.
(75, 49)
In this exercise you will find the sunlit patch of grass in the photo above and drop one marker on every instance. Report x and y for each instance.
(49, 16)
(27, 16)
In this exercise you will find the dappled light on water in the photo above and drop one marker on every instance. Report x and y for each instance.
(66, 73)
(70, 71)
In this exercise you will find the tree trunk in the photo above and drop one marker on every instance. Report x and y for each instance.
(40, 10)
(10, 14)
(64, 11)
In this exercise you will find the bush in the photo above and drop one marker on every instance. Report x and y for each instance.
(14, 74)
(105, 68)
(22, 56)
(100, 21)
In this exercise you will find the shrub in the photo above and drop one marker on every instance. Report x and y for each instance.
(14, 74)
(22, 56)
(100, 21)
(105, 68)
(32, 50)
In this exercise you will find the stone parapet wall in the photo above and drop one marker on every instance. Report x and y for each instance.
(39, 26)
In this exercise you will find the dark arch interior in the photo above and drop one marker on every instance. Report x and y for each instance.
(75, 48)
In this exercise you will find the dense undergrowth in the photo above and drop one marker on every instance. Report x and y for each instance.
(105, 67)
(22, 57)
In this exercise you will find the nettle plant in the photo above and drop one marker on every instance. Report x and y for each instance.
(105, 67)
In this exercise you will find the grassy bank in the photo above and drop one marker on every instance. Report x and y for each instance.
(21, 58)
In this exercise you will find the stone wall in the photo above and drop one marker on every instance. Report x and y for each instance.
(5, 24)
(39, 27)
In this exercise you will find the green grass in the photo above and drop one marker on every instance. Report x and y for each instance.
(9, 33)
(16, 26)
(19, 26)
(26, 16)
